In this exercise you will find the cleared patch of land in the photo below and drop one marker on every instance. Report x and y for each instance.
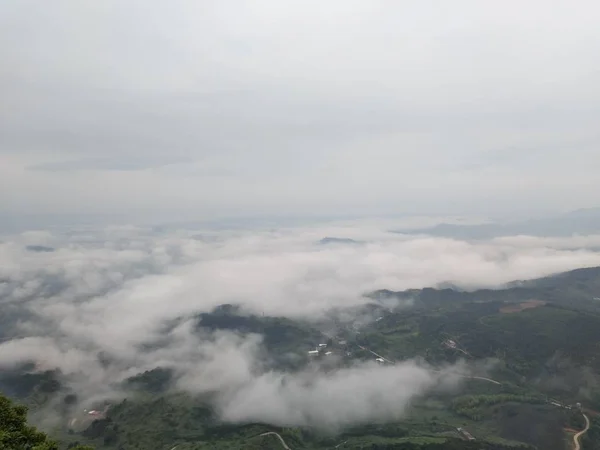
(529, 304)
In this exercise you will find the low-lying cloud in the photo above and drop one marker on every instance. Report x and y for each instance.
(97, 306)
(360, 394)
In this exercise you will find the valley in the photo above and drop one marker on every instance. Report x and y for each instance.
(523, 370)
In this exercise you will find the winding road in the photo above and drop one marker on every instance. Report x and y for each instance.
(581, 433)
(489, 380)
(279, 437)
(376, 354)
(482, 378)
(437, 371)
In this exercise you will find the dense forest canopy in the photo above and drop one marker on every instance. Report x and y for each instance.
(17, 434)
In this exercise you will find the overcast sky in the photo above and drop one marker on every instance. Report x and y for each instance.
(220, 108)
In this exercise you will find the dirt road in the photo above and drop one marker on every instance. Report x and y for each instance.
(279, 437)
(489, 380)
(581, 433)
(376, 354)
(482, 378)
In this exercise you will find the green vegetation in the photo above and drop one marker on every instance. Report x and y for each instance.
(547, 353)
(591, 440)
(282, 337)
(154, 381)
(472, 406)
(16, 434)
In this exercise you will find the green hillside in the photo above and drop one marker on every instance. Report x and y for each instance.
(531, 344)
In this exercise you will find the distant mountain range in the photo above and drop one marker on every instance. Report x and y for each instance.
(335, 240)
(40, 248)
(582, 221)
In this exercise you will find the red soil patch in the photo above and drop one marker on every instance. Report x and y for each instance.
(529, 304)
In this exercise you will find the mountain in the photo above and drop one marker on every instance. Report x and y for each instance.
(40, 248)
(527, 345)
(336, 240)
(583, 221)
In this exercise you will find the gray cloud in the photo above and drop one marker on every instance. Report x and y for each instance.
(108, 164)
(232, 109)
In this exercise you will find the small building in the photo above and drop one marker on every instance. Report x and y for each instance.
(328, 353)
(380, 360)
(449, 343)
(313, 352)
(322, 345)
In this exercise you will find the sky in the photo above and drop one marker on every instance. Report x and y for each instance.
(228, 108)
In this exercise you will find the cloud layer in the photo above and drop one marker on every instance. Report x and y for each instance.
(249, 108)
(103, 305)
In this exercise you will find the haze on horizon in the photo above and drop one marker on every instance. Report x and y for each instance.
(239, 108)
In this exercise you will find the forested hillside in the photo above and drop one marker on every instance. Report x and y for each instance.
(523, 347)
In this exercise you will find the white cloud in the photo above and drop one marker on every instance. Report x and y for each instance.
(361, 394)
(112, 291)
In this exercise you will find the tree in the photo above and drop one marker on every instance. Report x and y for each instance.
(16, 434)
